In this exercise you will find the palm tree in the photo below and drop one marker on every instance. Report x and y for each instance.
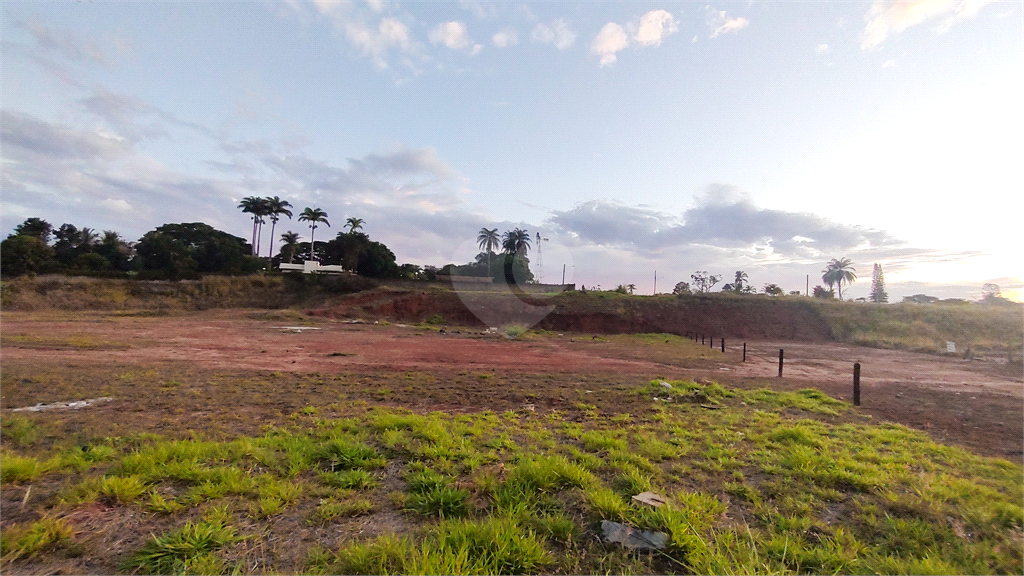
(275, 209)
(252, 205)
(516, 242)
(290, 241)
(838, 271)
(741, 278)
(354, 224)
(313, 215)
(488, 241)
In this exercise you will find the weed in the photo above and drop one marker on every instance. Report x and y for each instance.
(442, 501)
(157, 503)
(186, 550)
(331, 509)
(14, 468)
(123, 489)
(20, 430)
(347, 455)
(40, 535)
(515, 330)
(349, 479)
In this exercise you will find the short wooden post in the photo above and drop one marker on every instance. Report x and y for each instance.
(856, 383)
(744, 351)
(723, 345)
(711, 343)
(780, 362)
(701, 339)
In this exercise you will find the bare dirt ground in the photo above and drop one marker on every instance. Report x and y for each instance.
(977, 404)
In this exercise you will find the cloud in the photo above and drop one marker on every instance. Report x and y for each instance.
(649, 30)
(28, 139)
(720, 23)
(376, 44)
(722, 218)
(887, 17)
(888, 64)
(556, 32)
(608, 41)
(505, 38)
(67, 43)
(822, 48)
(653, 27)
(452, 34)
(119, 205)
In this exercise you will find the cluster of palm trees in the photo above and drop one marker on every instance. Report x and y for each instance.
(274, 208)
(515, 242)
(838, 271)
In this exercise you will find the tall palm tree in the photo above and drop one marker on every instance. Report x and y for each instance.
(488, 240)
(516, 242)
(313, 216)
(741, 278)
(290, 241)
(262, 209)
(354, 224)
(275, 209)
(838, 271)
(252, 205)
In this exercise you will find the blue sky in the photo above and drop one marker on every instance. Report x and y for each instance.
(768, 137)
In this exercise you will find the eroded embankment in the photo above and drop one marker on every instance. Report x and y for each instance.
(759, 318)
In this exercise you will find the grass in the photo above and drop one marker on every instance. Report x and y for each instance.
(187, 550)
(768, 482)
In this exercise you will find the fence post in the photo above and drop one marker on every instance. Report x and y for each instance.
(701, 339)
(780, 362)
(856, 383)
(723, 345)
(744, 351)
(711, 342)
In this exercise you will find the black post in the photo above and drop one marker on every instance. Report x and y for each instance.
(711, 343)
(701, 339)
(723, 345)
(780, 362)
(744, 351)
(856, 383)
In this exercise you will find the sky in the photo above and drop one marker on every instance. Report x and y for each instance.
(644, 141)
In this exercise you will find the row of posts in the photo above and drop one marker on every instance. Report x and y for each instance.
(856, 365)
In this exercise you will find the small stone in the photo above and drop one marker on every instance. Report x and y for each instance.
(666, 385)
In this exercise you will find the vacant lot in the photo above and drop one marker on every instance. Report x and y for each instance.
(259, 441)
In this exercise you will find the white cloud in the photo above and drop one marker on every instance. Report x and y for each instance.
(390, 33)
(608, 41)
(888, 64)
(887, 17)
(505, 38)
(557, 32)
(452, 34)
(720, 23)
(653, 27)
(119, 205)
(823, 48)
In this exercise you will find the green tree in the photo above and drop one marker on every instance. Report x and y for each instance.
(116, 250)
(704, 281)
(276, 207)
(773, 290)
(516, 242)
(253, 205)
(290, 242)
(740, 281)
(837, 272)
(314, 216)
(354, 224)
(681, 289)
(878, 293)
(35, 227)
(821, 292)
(26, 254)
(488, 240)
(177, 251)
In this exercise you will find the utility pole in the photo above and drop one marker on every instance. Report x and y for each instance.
(655, 282)
(563, 274)
(807, 290)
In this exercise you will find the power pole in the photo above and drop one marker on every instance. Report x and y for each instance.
(807, 289)
(563, 274)
(655, 282)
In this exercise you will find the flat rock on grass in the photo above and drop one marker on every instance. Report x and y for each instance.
(633, 538)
